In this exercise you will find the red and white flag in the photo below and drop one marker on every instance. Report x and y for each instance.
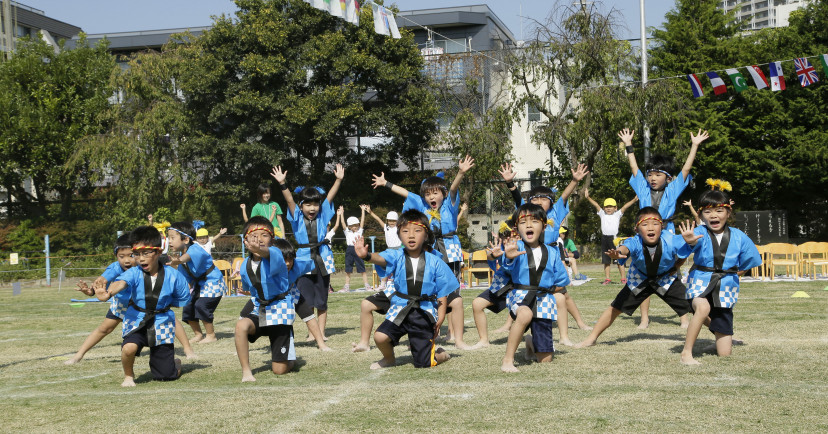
(777, 77)
(717, 83)
(758, 77)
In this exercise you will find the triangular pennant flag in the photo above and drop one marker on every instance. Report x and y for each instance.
(823, 58)
(695, 85)
(334, 8)
(380, 23)
(717, 83)
(805, 71)
(800, 294)
(758, 77)
(739, 83)
(352, 12)
(777, 78)
(392, 24)
(320, 4)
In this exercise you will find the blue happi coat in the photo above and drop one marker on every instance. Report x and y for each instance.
(175, 292)
(212, 284)
(275, 280)
(740, 255)
(667, 205)
(670, 249)
(552, 274)
(117, 304)
(446, 224)
(438, 280)
(300, 232)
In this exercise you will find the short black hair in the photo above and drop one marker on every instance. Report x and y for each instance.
(288, 252)
(187, 228)
(661, 163)
(541, 190)
(712, 198)
(145, 235)
(647, 210)
(310, 195)
(122, 243)
(415, 216)
(258, 221)
(534, 211)
(263, 188)
(431, 183)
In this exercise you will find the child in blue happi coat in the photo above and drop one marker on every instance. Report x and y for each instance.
(538, 276)
(659, 189)
(422, 283)
(207, 282)
(150, 290)
(654, 258)
(721, 254)
(442, 219)
(309, 219)
(268, 274)
(556, 212)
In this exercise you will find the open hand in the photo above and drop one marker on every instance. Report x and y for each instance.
(278, 174)
(580, 172)
(511, 249)
(687, 232)
(626, 136)
(466, 164)
(507, 172)
(339, 172)
(699, 137)
(615, 254)
(379, 181)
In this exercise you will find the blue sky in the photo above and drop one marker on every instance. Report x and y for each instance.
(105, 16)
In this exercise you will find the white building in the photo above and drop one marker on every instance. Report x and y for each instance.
(760, 14)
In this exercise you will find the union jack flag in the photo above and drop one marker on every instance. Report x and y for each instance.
(805, 71)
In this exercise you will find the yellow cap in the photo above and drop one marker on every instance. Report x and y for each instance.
(202, 232)
(610, 202)
(562, 230)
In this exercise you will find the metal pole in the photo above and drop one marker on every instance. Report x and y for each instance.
(242, 238)
(646, 129)
(48, 264)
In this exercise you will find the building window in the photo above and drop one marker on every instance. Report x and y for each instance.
(532, 113)
(746, 8)
(452, 45)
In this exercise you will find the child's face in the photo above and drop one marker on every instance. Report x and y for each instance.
(716, 218)
(544, 202)
(353, 228)
(260, 238)
(266, 197)
(177, 241)
(413, 236)
(289, 263)
(650, 229)
(202, 240)
(657, 180)
(434, 198)
(392, 223)
(610, 210)
(310, 209)
(147, 259)
(530, 229)
(124, 257)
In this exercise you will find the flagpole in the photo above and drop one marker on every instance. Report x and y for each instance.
(646, 132)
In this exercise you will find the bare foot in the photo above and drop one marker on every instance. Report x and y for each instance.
(178, 367)
(566, 342)
(208, 339)
(73, 360)
(325, 338)
(128, 382)
(685, 324)
(509, 367)
(530, 348)
(324, 347)
(462, 346)
(584, 327)
(687, 359)
(191, 355)
(247, 377)
(382, 363)
(503, 329)
(358, 348)
(196, 338)
(585, 343)
(479, 345)
(644, 324)
(310, 339)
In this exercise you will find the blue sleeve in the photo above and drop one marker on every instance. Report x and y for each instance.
(454, 202)
(180, 291)
(642, 189)
(445, 280)
(112, 271)
(326, 213)
(561, 276)
(199, 259)
(391, 257)
(413, 201)
(749, 256)
(277, 262)
(294, 217)
(683, 250)
(301, 265)
(559, 211)
(510, 264)
(634, 244)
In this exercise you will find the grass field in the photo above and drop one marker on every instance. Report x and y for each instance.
(631, 381)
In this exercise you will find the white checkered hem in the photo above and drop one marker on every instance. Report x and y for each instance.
(214, 288)
(545, 306)
(117, 308)
(728, 295)
(453, 250)
(280, 313)
(635, 279)
(328, 259)
(389, 289)
(396, 308)
(165, 333)
(498, 282)
(129, 326)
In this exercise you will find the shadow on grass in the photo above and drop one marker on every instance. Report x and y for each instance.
(636, 318)
(186, 368)
(297, 366)
(645, 336)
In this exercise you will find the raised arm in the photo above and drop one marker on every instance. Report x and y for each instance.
(577, 175)
(244, 211)
(464, 208)
(339, 213)
(379, 181)
(339, 172)
(221, 232)
(280, 178)
(508, 175)
(628, 204)
(591, 201)
(376, 217)
(464, 165)
(626, 136)
(695, 141)
(362, 252)
(362, 217)
(689, 204)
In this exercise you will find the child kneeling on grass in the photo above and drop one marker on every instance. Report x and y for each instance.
(150, 289)
(422, 283)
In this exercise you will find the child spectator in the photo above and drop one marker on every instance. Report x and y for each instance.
(267, 209)
(422, 283)
(610, 217)
(569, 253)
(352, 230)
(392, 240)
(149, 290)
(204, 239)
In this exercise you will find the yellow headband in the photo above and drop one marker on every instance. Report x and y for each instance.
(644, 219)
(259, 228)
(139, 247)
(716, 205)
(418, 224)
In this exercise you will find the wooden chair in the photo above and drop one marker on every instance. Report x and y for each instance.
(759, 271)
(477, 266)
(811, 256)
(235, 281)
(783, 255)
(224, 267)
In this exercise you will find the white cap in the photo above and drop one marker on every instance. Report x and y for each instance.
(392, 215)
(352, 221)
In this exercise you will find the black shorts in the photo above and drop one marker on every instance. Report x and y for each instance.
(381, 301)
(161, 359)
(451, 297)
(575, 255)
(457, 269)
(247, 309)
(110, 315)
(314, 289)
(282, 347)
(419, 326)
(498, 303)
(351, 258)
(542, 335)
(607, 243)
(628, 302)
(721, 318)
(200, 309)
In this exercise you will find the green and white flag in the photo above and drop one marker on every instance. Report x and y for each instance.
(824, 59)
(736, 78)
